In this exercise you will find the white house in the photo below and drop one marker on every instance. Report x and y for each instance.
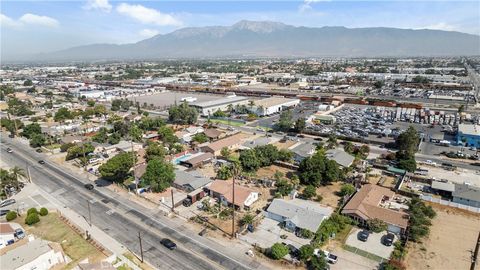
(298, 214)
(7, 236)
(36, 254)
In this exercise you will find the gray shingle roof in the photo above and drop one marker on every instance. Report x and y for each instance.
(304, 214)
(193, 179)
(341, 157)
(24, 254)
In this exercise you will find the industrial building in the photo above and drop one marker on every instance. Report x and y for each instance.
(468, 135)
(209, 107)
(269, 106)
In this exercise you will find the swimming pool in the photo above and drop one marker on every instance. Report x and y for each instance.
(181, 158)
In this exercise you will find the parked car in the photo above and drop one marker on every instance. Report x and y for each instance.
(3, 212)
(88, 186)
(41, 162)
(9, 150)
(7, 202)
(39, 150)
(388, 239)
(363, 235)
(19, 233)
(330, 257)
(187, 202)
(168, 243)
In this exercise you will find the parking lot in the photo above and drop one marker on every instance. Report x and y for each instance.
(268, 232)
(373, 245)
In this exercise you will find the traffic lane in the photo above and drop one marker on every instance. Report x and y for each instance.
(209, 253)
(116, 226)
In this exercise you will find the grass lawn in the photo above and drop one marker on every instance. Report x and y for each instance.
(53, 146)
(226, 122)
(53, 229)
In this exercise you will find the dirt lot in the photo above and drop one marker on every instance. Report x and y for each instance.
(329, 194)
(270, 171)
(452, 238)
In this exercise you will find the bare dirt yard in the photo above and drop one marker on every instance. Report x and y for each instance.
(329, 194)
(453, 235)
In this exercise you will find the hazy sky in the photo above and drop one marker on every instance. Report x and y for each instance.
(42, 26)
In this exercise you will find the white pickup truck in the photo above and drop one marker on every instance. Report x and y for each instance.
(331, 258)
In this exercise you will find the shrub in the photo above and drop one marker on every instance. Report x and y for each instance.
(305, 252)
(305, 233)
(32, 210)
(347, 189)
(377, 225)
(32, 218)
(319, 198)
(278, 251)
(43, 211)
(309, 192)
(11, 215)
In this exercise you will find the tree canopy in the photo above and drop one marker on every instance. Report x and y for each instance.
(159, 175)
(182, 114)
(117, 168)
(63, 114)
(318, 170)
(285, 122)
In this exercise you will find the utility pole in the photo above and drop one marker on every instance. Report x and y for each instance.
(134, 166)
(173, 204)
(475, 254)
(28, 172)
(235, 173)
(89, 214)
(141, 248)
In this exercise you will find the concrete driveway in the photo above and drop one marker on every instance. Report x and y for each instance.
(373, 245)
(349, 260)
(268, 232)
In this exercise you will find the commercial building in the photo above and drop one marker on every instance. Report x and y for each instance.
(298, 214)
(469, 135)
(375, 202)
(272, 105)
(466, 195)
(207, 108)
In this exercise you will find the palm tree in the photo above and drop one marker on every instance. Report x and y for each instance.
(15, 173)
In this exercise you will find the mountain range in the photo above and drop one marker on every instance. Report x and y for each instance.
(252, 39)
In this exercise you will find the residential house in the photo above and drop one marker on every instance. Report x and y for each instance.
(231, 142)
(260, 141)
(223, 190)
(197, 160)
(298, 214)
(213, 134)
(190, 181)
(302, 151)
(341, 157)
(7, 235)
(35, 254)
(373, 201)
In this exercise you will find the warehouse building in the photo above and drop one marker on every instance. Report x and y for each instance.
(469, 135)
(269, 106)
(207, 108)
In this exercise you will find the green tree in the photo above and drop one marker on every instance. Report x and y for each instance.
(31, 129)
(90, 103)
(100, 110)
(283, 187)
(155, 151)
(420, 219)
(305, 252)
(219, 113)
(266, 154)
(285, 155)
(11, 215)
(285, 122)
(114, 138)
(32, 218)
(79, 150)
(378, 84)
(167, 135)
(32, 210)
(37, 140)
(318, 262)
(278, 251)
(117, 168)
(28, 82)
(182, 114)
(318, 170)
(347, 189)
(377, 225)
(309, 192)
(135, 133)
(200, 138)
(101, 136)
(225, 152)
(300, 125)
(407, 164)
(348, 147)
(408, 141)
(43, 211)
(249, 160)
(247, 219)
(225, 172)
(159, 175)
(62, 114)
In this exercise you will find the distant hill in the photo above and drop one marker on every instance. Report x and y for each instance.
(273, 39)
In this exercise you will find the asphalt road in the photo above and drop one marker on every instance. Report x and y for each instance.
(123, 219)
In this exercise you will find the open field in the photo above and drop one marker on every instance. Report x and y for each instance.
(453, 235)
(329, 194)
(52, 228)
